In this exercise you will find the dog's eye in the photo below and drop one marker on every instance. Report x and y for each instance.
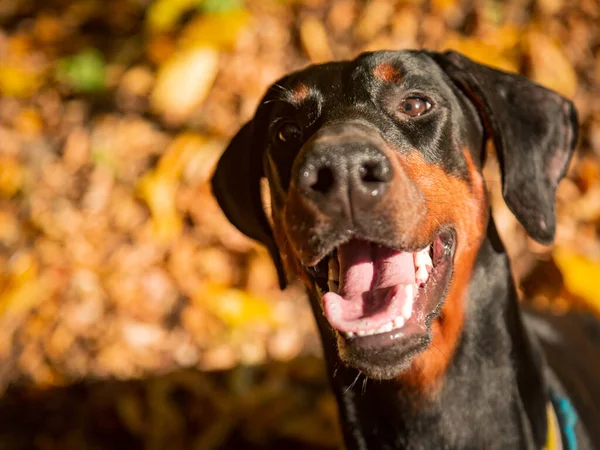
(414, 106)
(288, 133)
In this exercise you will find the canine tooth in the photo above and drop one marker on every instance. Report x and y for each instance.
(334, 269)
(333, 286)
(349, 334)
(422, 258)
(422, 274)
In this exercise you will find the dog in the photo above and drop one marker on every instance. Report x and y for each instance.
(379, 206)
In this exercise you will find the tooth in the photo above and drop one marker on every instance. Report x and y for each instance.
(334, 269)
(399, 322)
(361, 333)
(333, 286)
(350, 334)
(422, 274)
(387, 327)
(422, 258)
(408, 304)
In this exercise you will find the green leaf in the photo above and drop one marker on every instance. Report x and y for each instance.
(221, 5)
(84, 72)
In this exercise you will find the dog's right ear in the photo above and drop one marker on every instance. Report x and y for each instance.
(236, 186)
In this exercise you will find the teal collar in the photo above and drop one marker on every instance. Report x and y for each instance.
(561, 414)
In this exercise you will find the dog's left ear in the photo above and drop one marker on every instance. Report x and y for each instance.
(236, 186)
(534, 131)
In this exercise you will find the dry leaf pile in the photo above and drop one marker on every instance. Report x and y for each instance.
(116, 262)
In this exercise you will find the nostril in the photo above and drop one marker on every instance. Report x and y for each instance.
(324, 182)
(374, 173)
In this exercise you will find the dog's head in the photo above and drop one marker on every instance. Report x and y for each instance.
(378, 202)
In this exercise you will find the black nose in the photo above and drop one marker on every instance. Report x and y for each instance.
(355, 174)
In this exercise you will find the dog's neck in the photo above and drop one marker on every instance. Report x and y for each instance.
(492, 395)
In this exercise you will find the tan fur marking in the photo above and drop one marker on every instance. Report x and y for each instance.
(449, 200)
(387, 72)
(300, 93)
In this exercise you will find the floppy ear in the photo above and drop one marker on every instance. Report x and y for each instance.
(236, 186)
(534, 131)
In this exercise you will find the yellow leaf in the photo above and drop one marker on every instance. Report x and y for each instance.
(184, 82)
(164, 14)
(24, 289)
(235, 307)
(179, 153)
(441, 5)
(314, 40)
(220, 30)
(549, 65)
(16, 81)
(495, 55)
(21, 298)
(159, 193)
(11, 176)
(580, 275)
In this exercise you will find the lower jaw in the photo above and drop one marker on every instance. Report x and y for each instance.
(384, 360)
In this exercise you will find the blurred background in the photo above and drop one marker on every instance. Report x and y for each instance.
(132, 315)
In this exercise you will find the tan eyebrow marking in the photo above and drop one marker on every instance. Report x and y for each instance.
(387, 72)
(300, 92)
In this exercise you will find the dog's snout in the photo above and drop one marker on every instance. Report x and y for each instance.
(354, 173)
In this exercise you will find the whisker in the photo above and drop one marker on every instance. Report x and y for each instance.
(283, 88)
(354, 382)
(441, 352)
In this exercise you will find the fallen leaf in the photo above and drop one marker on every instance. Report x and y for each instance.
(163, 15)
(235, 307)
(221, 5)
(184, 82)
(373, 18)
(84, 72)
(314, 40)
(18, 81)
(12, 176)
(482, 52)
(179, 152)
(580, 275)
(217, 29)
(159, 192)
(549, 65)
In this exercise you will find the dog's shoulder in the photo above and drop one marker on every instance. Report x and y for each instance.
(571, 345)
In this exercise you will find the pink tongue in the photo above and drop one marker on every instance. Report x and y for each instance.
(372, 281)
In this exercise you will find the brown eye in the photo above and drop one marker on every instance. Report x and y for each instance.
(289, 133)
(414, 106)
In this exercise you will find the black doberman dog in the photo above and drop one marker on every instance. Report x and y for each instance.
(379, 206)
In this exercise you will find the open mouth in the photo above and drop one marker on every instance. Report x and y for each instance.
(374, 295)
